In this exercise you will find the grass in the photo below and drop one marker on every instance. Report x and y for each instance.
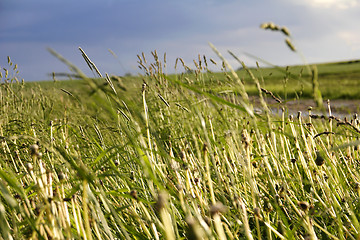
(163, 157)
(285, 82)
(294, 81)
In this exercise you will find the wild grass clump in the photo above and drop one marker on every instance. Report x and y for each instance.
(172, 160)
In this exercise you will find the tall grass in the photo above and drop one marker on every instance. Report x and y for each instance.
(172, 160)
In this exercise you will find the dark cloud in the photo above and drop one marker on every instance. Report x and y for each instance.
(93, 21)
(180, 28)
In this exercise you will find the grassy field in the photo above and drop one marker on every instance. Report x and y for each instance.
(295, 81)
(337, 80)
(178, 156)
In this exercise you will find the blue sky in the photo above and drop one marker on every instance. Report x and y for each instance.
(323, 30)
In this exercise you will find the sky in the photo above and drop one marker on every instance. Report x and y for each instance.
(321, 30)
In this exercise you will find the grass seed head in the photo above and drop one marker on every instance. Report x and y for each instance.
(143, 87)
(273, 26)
(308, 237)
(299, 115)
(195, 232)
(270, 25)
(182, 155)
(39, 155)
(161, 201)
(290, 44)
(133, 194)
(61, 176)
(217, 208)
(303, 205)
(132, 175)
(267, 205)
(254, 164)
(264, 25)
(319, 159)
(285, 30)
(29, 167)
(116, 162)
(68, 199)
(34, 149)
(205, 148)
(179, 187)
(212, 61)
(205, 62)
(257, 212)
(185, 166)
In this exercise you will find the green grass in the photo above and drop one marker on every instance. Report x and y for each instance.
(170, 159)
(297, 80)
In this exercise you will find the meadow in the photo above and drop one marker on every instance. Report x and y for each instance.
(179, 156)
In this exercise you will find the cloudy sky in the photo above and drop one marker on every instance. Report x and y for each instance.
(323, 30)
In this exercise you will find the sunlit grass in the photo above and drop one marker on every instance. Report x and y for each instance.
(163, 157)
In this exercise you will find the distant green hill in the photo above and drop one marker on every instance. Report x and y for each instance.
(337, 80)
